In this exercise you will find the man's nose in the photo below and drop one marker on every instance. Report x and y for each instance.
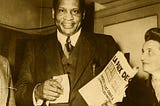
(68, 16)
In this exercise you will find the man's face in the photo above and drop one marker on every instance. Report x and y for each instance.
(68, 17)
(151, 56)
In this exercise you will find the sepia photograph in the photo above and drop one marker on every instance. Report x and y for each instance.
(79, 53)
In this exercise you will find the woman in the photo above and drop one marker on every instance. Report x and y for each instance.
(6, 86)
(146, 92)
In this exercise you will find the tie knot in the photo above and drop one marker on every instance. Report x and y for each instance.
(68, 44)
(68, 40)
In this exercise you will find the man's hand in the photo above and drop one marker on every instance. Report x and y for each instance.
(49, 90)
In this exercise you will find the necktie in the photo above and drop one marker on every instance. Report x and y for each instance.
(68, 47)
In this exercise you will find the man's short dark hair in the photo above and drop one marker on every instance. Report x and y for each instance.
(153, 34)
(82, 5)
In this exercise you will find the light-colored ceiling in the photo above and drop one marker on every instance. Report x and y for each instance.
(31, 15)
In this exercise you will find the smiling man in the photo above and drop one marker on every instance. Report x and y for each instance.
(71, 50)
(68, 16)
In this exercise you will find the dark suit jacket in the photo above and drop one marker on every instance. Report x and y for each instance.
(140, 93)
(42, 61)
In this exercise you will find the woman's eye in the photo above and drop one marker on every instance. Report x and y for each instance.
(142, 50)
(149, 51)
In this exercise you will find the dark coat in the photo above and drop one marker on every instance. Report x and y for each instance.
(140, 93)
(42, 61)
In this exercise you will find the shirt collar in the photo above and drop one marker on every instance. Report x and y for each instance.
(62, 38)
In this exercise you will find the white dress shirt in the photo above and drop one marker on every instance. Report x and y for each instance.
(62, 38)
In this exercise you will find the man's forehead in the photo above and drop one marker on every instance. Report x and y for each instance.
(75, 3)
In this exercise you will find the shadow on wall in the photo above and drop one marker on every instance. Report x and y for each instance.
(89, 18)
(9, 49)
(4, 42)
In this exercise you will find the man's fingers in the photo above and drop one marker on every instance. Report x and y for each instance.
(54, 82)
(54, 89)
(49, 90)
(49, 95)
(58, 79)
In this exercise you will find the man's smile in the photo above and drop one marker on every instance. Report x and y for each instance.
(68, 25)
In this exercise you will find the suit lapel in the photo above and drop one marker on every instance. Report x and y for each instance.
(86, 53)
(52, 56)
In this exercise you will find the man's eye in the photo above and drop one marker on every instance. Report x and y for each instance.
(75, 11)
(61, 10)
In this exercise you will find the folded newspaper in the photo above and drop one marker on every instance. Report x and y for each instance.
(110, 84)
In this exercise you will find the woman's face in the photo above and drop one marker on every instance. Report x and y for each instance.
(151, 56)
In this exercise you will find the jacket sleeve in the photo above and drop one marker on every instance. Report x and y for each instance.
(25, 83)
(107, 48)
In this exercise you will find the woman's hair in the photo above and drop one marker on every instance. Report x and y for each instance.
(153, 34)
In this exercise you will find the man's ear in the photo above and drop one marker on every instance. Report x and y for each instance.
(53, 13)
